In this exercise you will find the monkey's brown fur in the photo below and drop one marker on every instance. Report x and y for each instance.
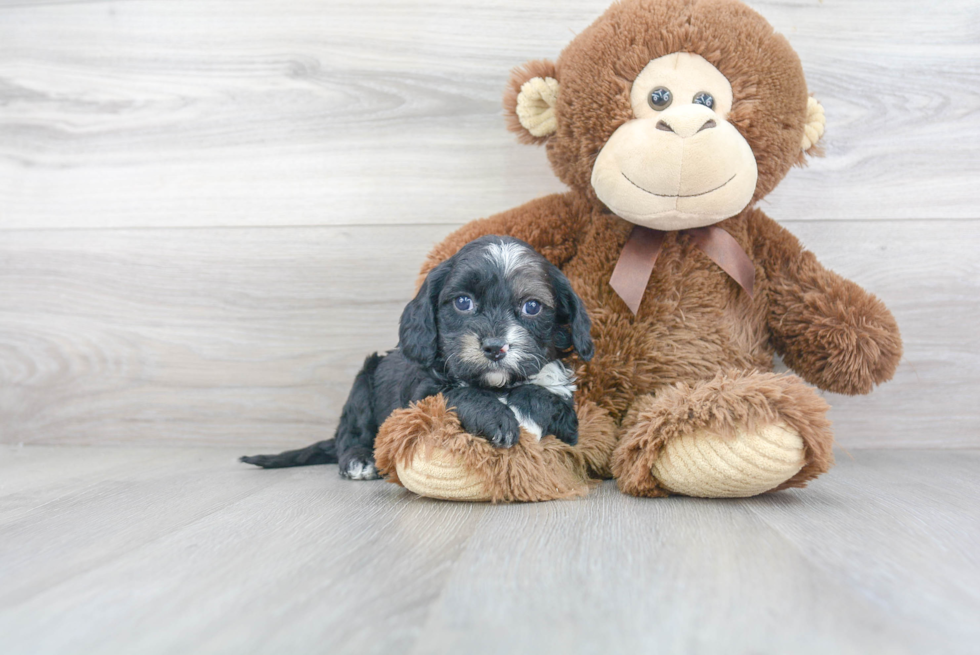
(700, 351)
(530, 470)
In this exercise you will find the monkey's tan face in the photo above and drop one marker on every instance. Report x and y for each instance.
(679, 163)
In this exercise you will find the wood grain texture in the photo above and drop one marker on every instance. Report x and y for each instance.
(619, 574)
(253, 336)
(152, 336)
(301, 548)
(188, 551)
(929, 507)
(302, 112)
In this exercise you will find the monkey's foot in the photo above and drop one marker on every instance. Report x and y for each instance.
(708, 465)
(738, 435)
(438, 474)
(424, 449)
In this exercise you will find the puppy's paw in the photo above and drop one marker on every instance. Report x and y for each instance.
(505, 434)
(499, 427)
(359, 467)
(564, 425)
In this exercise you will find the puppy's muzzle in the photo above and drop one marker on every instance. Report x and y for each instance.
(495, 349)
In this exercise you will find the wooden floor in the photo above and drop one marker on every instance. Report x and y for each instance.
(182, 550)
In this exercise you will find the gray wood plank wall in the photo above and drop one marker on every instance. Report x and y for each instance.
(210, 212)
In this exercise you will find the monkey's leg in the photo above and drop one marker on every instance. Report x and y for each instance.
(739, 434)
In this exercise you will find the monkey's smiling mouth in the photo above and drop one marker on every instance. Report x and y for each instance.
(667, 195)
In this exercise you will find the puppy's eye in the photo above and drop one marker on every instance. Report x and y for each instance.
(463, 303)
(531, 307)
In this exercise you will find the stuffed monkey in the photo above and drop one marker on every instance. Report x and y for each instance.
(669, 120)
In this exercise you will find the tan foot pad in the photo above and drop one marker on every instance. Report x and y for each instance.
(437, 474)
(706, 465)
(424, 449)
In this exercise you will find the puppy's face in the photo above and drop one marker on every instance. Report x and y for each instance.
(499, 312)
(496, 315)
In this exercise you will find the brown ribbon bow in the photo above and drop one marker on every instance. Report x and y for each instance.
(636, 262)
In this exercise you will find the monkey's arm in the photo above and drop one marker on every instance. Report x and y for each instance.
(832, 332)
(550, 224)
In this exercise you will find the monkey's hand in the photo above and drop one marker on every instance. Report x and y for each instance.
(832, 332)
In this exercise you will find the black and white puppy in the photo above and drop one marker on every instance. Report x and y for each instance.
(488, 330)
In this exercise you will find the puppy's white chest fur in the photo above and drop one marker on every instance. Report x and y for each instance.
(555, 378)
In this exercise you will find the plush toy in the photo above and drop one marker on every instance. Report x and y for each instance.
(669, 120)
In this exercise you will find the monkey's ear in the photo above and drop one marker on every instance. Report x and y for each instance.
(418, 338)
(529, 101)
(814, 128)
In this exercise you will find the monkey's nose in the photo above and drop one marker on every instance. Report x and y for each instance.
(685, 126)
(495, 349)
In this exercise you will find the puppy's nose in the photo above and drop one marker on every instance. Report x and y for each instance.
(495, 349)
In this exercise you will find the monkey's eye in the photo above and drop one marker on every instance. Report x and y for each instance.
(706, 99)
(531, 307)
(463, 303)
(660, 98)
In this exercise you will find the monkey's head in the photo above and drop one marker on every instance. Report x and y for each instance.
(673, 114)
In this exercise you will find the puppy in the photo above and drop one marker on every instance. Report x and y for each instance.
(487, 330)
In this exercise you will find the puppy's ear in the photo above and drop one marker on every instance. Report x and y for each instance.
(418, 338)
(572, 324)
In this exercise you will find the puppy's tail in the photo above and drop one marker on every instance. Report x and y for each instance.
(356, 427)
(322, 452)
